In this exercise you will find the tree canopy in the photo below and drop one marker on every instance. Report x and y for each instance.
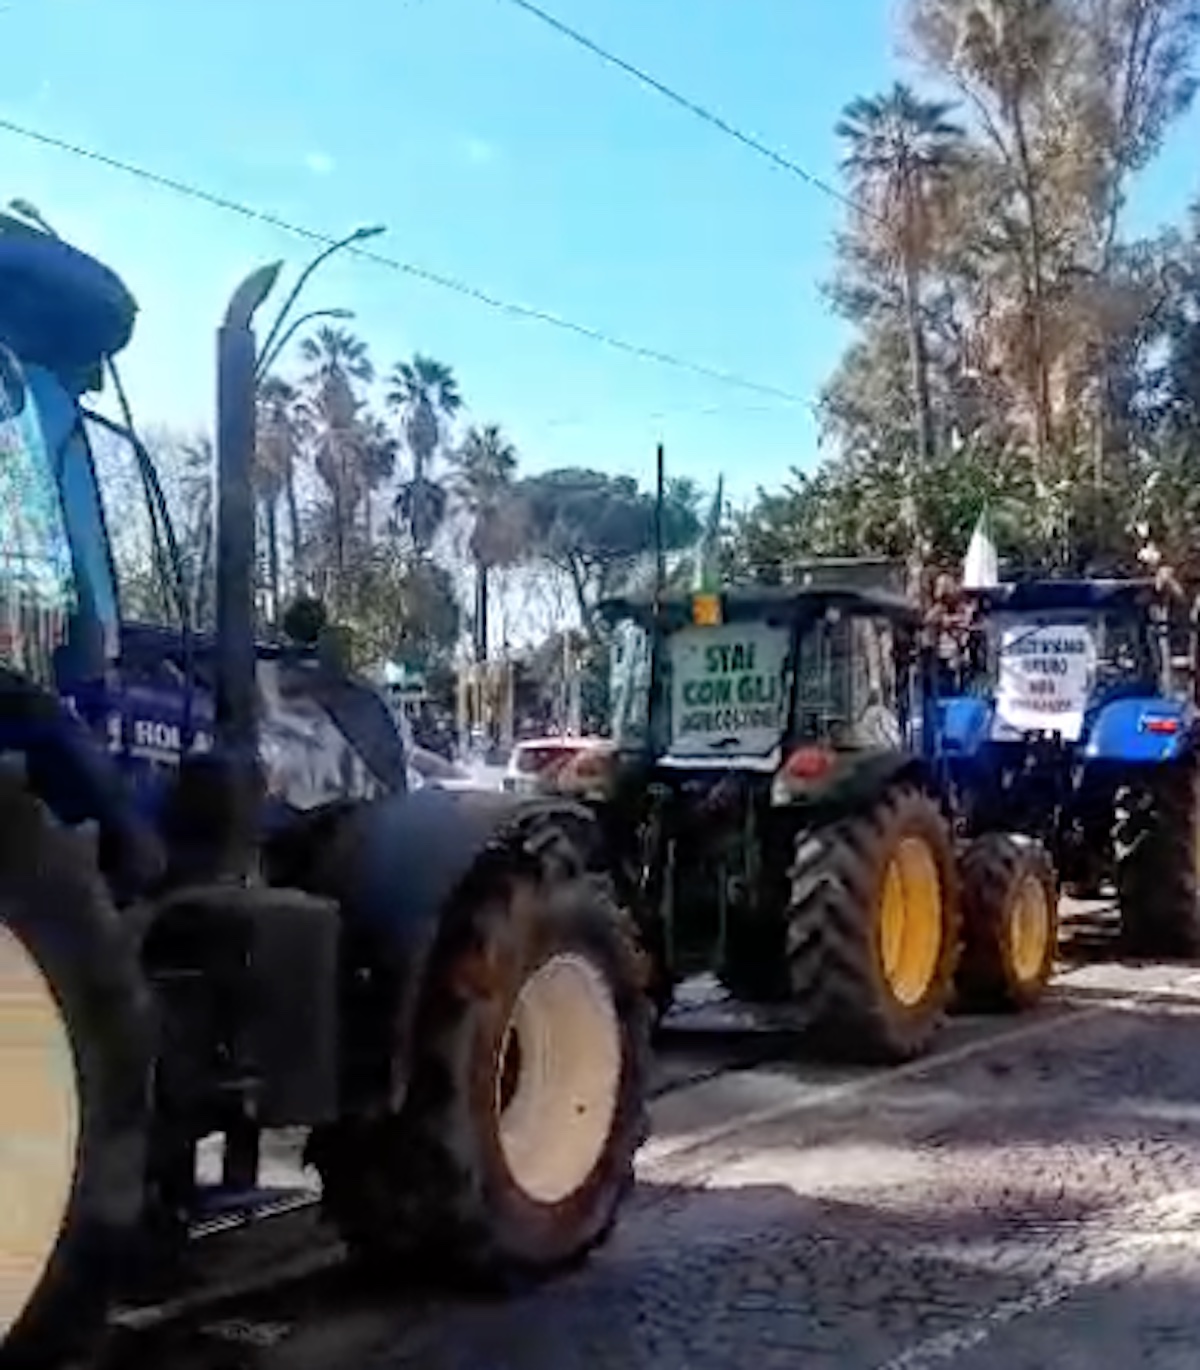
(1016, 342)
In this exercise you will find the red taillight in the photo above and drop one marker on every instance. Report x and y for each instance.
(809, 763)
(530, 759)
(1160, 726)
(588, 765)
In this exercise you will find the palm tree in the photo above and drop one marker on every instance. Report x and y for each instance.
(425, 393)
(336, 351)
(484, 467)
(901, 153)
(1005, 55)
(378, 463)
(196, 529)
(280, 439)
(336, 359)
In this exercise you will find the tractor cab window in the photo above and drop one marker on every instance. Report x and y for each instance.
(1121, 649)
(66, 441)
(1125, 649)
(846, 682)
(37, 585)
(145, 578)
(1047, 668)
(630, 684)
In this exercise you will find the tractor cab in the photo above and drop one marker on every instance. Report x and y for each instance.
(58, 596)
(1067, 662)
(796, 685)
(98, 600)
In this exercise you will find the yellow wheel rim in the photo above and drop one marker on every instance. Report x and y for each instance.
(911, 932)
(39, 1103)
(1029, 929)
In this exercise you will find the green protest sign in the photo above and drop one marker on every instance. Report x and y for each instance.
(728, 691)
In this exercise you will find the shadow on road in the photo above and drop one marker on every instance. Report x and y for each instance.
(752, 1275)
(1115, 1096)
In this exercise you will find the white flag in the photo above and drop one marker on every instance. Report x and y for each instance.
(981, 569)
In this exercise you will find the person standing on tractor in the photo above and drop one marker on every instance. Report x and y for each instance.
(948, 623)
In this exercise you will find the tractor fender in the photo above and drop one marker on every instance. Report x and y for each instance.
(862, 782)
(1141, 731)
(397, 865)
(964, 725)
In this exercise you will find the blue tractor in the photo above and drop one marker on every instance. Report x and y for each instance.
(223, 911)
(1072, 726)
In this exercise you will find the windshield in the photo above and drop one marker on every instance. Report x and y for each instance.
(37, 583)
(846, 682)
(1045, 669)
(1121, 647)
(728, 688)
(146, 580)
(76, 530)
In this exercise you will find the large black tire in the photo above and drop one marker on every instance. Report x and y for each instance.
(438, 1188)
(1010, 923)
(75, 1042)
(859, 1008)
(1156, 847)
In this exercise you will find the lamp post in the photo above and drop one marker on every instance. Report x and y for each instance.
(359, 235)
(268, 358)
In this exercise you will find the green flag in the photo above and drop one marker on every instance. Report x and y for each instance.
(706, 560)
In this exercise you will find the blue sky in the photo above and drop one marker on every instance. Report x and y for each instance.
(495, 152)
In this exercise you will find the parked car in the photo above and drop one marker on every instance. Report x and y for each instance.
(534, 760)
(432, 769)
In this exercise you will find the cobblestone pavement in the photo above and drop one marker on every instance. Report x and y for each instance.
(1030, 1198)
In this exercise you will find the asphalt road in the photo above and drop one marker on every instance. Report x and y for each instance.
(1027, 1197)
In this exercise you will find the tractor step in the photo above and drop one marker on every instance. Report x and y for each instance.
(219, 1207)
(231, 1259)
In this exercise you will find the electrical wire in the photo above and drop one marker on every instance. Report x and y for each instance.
(772, 155)
(444, 282)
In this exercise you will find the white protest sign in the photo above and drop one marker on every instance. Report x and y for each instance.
(1046, 674)
(728, 691)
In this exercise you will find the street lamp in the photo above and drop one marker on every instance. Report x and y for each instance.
(358, 236)
(267, 359)
(33, 215)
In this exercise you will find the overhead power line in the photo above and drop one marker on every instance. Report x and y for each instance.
(772, 155)
(459, 287)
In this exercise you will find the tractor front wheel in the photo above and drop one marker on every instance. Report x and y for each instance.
(873, 928)
(514, 1148)
(1157, 841)
(75, 1040)
(1010, 923)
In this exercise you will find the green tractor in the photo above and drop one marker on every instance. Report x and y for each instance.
(768, 808)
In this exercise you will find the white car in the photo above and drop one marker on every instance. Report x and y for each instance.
(428, 769)
(534, 761)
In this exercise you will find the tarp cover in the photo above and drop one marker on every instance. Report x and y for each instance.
(60, 308)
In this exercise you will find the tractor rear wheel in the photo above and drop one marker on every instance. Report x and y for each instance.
(74, 1066)
(1010, 923)
(514, 1148)
(1157, 841)
(873, 928)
